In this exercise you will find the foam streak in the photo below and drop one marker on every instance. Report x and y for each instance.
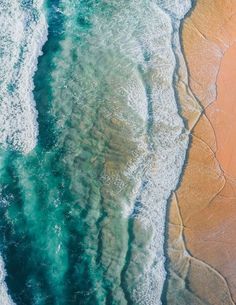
(23, 33)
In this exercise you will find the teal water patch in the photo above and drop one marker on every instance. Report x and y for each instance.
(65, 236)
(75, 209)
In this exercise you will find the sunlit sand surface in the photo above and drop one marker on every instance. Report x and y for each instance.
(202, 216)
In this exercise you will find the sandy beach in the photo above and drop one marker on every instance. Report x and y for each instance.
(202, 219)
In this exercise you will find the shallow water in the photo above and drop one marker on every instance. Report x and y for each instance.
(82, 214)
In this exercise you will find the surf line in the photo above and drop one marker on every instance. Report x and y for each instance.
(24, 32)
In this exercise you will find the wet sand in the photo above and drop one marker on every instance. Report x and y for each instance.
(202, 216)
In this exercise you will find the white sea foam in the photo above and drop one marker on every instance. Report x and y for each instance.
(175, 8)
(169, 143)
(5, 299)
(23, 31)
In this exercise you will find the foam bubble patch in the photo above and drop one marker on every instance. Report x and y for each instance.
(5, 299)
(23, 33)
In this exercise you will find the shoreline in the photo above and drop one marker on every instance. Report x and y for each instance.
(197, 217)
(189, 117)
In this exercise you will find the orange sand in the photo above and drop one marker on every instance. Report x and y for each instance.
(222, 113)
(202, 229)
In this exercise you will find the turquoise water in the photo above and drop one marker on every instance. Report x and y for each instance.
(80, 213)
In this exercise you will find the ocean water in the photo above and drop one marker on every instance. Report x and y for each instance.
(92, 144)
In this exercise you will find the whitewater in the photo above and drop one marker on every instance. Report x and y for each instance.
(23, 33)
(92, 146)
